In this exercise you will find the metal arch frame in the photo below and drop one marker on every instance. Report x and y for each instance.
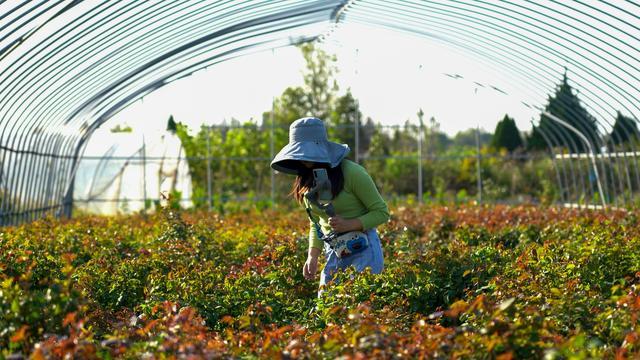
(16, 41)
(591, 150)
(555, 167)
(48, 114)
(566, 142)
(35, 125)
(81, 51)
(570, 110)
(73, 141)
(119, 105)
(508, 33)
(53, 116)
(146, 66)
(100, 80)
(24, 129)
(599, 139)
(58, 150)
(467, 17)
(45, 109)
(609, 53)
(529, 62)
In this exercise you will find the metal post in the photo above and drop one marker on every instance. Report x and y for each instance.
(209, 167)
(556, 167)
(591, 153)
(420, 134)
(478, 157)
(357, 140)
(272, 153)
(357, 123)
(144, 175)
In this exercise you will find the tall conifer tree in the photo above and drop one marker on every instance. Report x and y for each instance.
(565, 105)
(506, 135)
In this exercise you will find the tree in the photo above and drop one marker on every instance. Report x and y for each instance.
(315, 97)
(319, 97)
(565, 105)
(506, 135)
(171, 125)
(468, 138)
(319, 83)
(535, 140)
(344, 113)
(624, 130)
(436, 140)
(366, 135)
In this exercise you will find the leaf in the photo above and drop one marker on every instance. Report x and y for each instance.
(20, 334)
(505, 356)
(37, 355)
(15, 306)
(456, 308)
(506, 304)
(69, 319)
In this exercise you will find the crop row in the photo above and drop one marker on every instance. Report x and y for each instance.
(469, 281)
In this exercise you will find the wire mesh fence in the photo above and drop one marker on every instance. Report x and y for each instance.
(226, 165)
(230, 164)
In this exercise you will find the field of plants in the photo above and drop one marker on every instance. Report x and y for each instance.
(463, 282)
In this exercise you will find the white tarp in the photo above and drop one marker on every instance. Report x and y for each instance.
(121, 171)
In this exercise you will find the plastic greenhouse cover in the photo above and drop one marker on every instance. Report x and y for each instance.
(117, 176)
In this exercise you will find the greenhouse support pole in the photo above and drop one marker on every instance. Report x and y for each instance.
(478, 161)
(144, 175)
(271, 154)
(209, 167)
(356, 126)
(420, 135)
(357, 137)
(592, 153)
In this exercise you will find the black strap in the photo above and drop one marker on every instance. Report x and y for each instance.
(315, 223)
(327, 208)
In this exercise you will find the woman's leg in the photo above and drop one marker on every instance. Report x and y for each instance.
(329, 268)
(378, 257)
(370, 257)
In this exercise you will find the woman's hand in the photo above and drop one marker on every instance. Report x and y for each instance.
(340, 224)
(311, 265)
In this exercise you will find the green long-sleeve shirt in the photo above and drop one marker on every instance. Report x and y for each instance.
(359, 198)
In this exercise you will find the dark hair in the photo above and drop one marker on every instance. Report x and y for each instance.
(304, 180)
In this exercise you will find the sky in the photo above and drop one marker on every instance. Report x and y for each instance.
(392, 75)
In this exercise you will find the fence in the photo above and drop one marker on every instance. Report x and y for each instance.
(409, 164)
(230, 164)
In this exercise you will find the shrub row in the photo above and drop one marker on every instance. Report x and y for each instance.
(469, 281)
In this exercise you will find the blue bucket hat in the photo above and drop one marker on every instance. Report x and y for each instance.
(308, 141)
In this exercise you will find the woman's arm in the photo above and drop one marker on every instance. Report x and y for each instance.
(311, 265)
(315, 248)
(365, 189)
(314, 240)
(340, 224)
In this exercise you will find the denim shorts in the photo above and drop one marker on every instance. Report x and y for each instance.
(370, 257)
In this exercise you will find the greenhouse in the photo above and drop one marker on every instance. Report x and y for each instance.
(64, 74)
(189, 240)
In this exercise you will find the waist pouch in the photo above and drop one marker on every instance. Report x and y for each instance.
(348, 243)
(344, 244)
